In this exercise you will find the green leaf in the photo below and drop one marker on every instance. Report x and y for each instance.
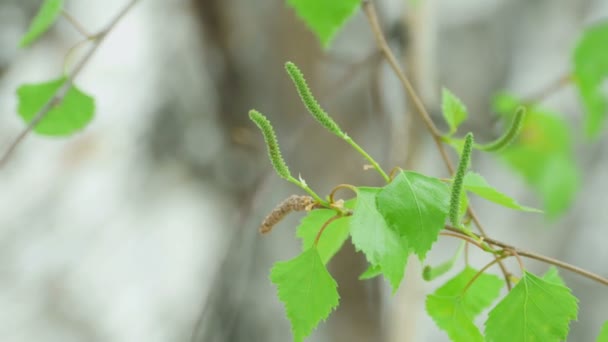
(415, 206)
(324, 17)
(334, 235)
(382, 246)
(47, 15)
(603, 336)
(307, 289)
(371, 272)
(534, 310)
(543, 156)
(455, 311)
(73, 112)
(552, 276)
(431, 272)
(591, 72)
(454, 111)
(476, 184)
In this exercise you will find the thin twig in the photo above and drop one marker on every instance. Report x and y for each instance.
(63, 90)
(76, 24)
(370, 12)
(539, 257)
(548, 89)
(480, 272)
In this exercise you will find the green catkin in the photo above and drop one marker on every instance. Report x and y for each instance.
(274, 152)
(509, 136)
(457, 185)
(310, 102)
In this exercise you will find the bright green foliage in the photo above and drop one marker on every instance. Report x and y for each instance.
(543, 155)
(456, 190)
(476, 184)
(370, 233)
(534, 310)
(324, 17)
(415, 206)
(552, 276)
(333, 236)
(455, 311)
(591, 73)
(453, 110)
(272, 144)
(307, 289)
(429, 273)
(70, 115)
(603, 336)
(371, 272)
(310, 102)
(47, 15)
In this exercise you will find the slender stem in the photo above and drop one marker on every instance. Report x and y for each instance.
(463, 237)
(370, 12)
(332, 194)
(332, 219)
(311, 192)
(480, 273)
(76, 24)
(368, 157)
(63, 90)
(539, 257)
(548, 89)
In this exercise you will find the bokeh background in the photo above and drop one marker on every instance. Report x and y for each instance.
(143, 227)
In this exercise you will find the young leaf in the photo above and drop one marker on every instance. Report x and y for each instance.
(476, 184)
(307, 289)
(552, 276)
(382, 246)
(415, 206)
(454, 112)
(371, 272)
(591, 72)
(324, 17)
(534, 310)
(429, 273)
(47, 15)
(603, 336)
(455, 311)
(334, 235)
(70, 115)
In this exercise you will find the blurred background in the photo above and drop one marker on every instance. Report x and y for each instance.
(143, 227)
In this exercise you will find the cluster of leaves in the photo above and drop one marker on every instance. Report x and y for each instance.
(72, 109)
(389, 223)
(406, 216)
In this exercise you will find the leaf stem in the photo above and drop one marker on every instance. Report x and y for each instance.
(369, 158)
(481, 271)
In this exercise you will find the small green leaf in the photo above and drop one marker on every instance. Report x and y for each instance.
(603, 336)
(324, 17)
(72, 114)
(308, 291)
(415, 206)
(371, 272)
(476, 184)
(591, 72)
(46, 16)
(382, 246)
(552, 276)
(334, 235)
(454, 111)
(534, 310)
(455, 311)
(431, 272)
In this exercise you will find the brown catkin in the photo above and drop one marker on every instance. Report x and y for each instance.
(292, 203)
